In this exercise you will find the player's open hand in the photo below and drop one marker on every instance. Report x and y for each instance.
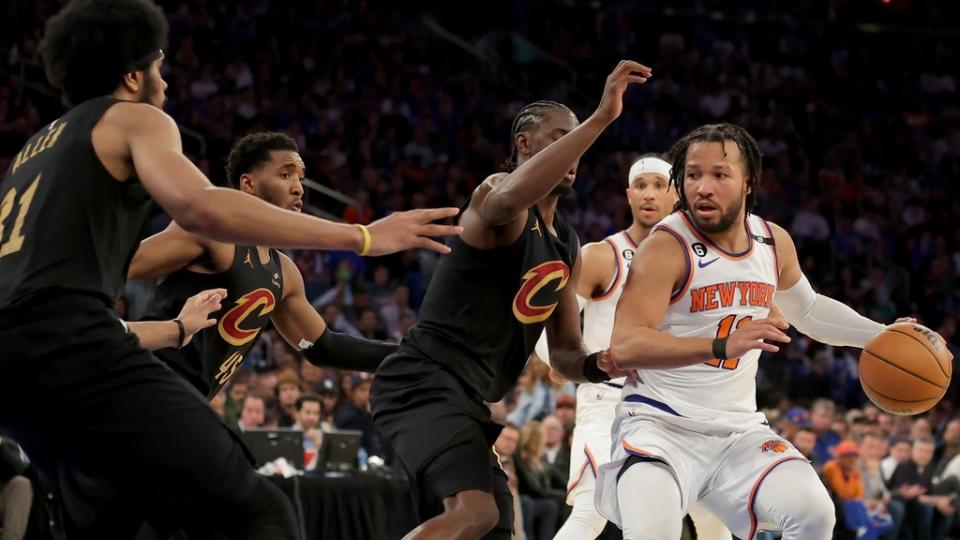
(196, 311)
(411, 229)
(626, 73)
(752, 335)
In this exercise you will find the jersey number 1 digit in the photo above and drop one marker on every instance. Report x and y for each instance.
(15, 242)
(724, 330)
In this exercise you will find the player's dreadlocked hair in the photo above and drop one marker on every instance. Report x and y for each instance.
(253, 150)
(677, 157)
(89, 45)
(531, 114)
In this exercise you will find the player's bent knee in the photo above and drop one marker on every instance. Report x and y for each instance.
(476, 510)
(818, 517)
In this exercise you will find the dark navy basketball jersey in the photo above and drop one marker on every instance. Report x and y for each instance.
(212, 356)
(65, 222)
(485, 309)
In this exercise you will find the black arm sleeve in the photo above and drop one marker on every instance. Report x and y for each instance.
(341, 351)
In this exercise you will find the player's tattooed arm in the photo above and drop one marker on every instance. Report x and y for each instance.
(537, 177)
(655, 273)
(194, 316)
(304, 329)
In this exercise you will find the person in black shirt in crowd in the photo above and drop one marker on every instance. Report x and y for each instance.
(930, 516)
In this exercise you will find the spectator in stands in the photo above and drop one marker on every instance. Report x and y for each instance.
(310, 375)
(795, 419)
(535, 395)
(370, 326)
(539, 499)
(239, 387)
(506, 448)
(842, 476)
(354, 413)
(804, 440)
(821, 420)
(566, 411)
(288, 390)
(395, 308)
(330, 398)
(556, 453)
(899, 452)
(253, 412)
(308, 408)
(928, 516)
(872, 450)
(16, 493)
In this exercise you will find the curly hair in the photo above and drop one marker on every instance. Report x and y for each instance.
(89, 45)
(677, 157)
(253, 150)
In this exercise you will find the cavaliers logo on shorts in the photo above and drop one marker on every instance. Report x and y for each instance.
(774, 445)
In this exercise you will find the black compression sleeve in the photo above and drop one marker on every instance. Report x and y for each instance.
(342, 351)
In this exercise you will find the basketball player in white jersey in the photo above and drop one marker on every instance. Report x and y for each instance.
(604, 270)
(690, 325)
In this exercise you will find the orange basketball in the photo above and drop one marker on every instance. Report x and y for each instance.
(905, 369)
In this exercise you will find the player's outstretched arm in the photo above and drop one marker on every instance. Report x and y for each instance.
(166, 252)
(656, 269)
(194, 316)
(814, 315)
(232, 216)
(303, 328)
(537, 177)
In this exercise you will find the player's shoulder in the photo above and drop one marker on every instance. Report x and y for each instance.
(597, 251)
(129, 115)
(780, 235)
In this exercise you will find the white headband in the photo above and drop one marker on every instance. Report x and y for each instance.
(649, 165)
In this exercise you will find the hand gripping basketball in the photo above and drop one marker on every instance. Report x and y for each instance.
(411, 229)
(751, 336)
(626, 72)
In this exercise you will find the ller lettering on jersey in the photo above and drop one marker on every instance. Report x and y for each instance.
(723, 295)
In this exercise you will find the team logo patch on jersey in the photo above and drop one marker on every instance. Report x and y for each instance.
(229, 325)
(774, 445)
(538, 277)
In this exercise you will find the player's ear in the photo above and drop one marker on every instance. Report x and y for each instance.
(523, 142)
(132, 81)
(246, 184)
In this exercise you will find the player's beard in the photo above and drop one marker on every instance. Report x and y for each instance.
(148, 92)
(563, 189)
(727, 219)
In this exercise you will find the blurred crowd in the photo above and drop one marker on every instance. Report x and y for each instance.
(409, 105)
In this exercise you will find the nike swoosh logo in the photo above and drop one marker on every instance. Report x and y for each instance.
(702, 264)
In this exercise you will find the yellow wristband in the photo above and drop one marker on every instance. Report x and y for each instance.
(367, 239)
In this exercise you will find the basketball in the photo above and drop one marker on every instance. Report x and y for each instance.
(905, 369)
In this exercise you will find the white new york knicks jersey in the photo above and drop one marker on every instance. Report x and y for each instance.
(598, 313)
(721, 291)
